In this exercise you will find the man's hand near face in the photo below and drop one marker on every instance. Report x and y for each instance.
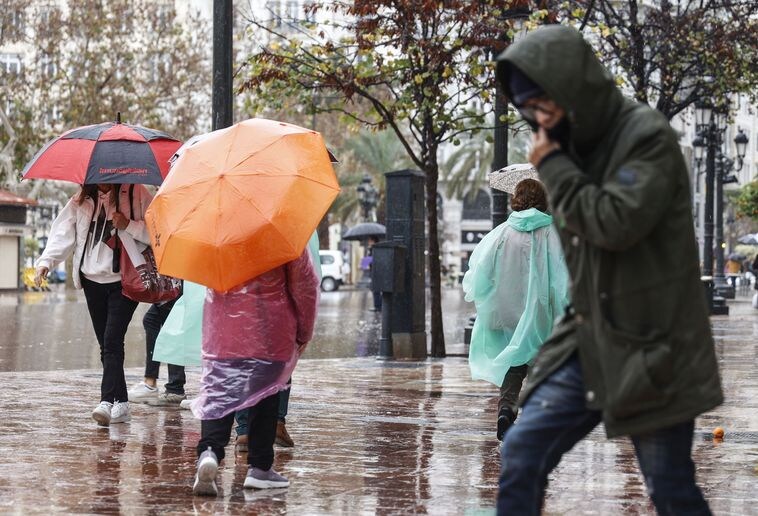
(542, 146)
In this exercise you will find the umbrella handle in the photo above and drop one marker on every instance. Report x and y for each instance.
(118, 117)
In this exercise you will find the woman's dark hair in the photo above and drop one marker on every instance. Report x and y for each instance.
(529, 193)
(91, 192)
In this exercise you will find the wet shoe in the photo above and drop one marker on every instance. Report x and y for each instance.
(240, 444)
(259, 479)
(143, 393)
(186, 404)
(166, 399)
(102, 413)
(205, 479)
(283, 438)
(504, 422)
(120, 412)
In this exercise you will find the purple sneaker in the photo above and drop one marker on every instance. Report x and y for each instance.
(260, 479)
(205, 480)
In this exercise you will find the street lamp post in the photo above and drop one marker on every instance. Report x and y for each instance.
(705, 142)
(710, 126)
(516, 16)
(368, 198)
(726, 165)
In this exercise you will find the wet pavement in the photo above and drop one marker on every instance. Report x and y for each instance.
(371, 438)
(43, 331)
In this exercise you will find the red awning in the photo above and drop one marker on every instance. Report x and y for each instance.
(8, 198)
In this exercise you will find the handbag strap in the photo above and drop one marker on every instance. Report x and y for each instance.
(116, 266)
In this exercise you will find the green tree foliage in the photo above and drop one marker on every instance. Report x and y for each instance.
(467, 168)
(85, 60)
(367, 153)
(746, 203)
(671, 54)
(422, 66)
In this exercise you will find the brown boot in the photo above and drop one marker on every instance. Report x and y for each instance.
(240, 444)
(283, 439)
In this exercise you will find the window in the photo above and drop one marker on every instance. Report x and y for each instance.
(48, 66)
(326, 259)
(291, 10)
(10, 63)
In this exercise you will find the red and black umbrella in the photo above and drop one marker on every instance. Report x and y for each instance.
(111, 152)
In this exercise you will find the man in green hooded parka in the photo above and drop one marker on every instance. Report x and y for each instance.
(634, 350)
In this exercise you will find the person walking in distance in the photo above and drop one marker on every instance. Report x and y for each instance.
(635, 349)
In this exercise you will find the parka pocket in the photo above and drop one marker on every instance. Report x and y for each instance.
(637, 372)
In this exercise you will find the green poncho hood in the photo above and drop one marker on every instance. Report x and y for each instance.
(559, 60)
(528, 220)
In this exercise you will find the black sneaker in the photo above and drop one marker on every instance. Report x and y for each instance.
(504, 422)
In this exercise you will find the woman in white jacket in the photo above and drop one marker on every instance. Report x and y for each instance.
(83, 226)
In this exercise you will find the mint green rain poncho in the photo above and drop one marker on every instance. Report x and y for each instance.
(518, 280)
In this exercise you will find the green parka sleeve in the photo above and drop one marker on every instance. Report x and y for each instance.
(627, 205)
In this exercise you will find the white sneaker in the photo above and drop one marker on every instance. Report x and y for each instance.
(186, 404)
(120, 412)
(143, 393)
(205, 479)
(102, 413)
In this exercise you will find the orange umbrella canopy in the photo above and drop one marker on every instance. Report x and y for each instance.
(240, 202)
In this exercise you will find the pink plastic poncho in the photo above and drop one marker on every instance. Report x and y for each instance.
(251, 335)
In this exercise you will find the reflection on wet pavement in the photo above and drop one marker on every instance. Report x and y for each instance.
(371, 438)
(52, 330)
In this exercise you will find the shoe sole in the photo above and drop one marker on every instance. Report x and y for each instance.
(102, 419)
(121, 420)
(284, 444)
(254, 483)
(158, 403)
(205, 480)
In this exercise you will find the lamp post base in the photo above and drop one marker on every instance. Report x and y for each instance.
(719, 306)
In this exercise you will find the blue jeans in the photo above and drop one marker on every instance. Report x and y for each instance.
(555, 418)
(241, 416)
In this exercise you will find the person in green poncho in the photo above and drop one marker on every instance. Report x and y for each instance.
(519, 282)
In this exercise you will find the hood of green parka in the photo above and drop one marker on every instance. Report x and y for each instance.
(528, 220)
(564, 65)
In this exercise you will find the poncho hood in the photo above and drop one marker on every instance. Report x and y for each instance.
(529, 220)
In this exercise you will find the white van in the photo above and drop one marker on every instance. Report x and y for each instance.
(332, 263)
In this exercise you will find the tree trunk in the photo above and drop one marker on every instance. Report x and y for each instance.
(323, 232)
(435, 281)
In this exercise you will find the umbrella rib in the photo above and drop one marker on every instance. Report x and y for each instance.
(187, 215)
(286, 175)
(256, 152)
(255, 206)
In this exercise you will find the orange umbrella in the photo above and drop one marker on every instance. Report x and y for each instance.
(240, 202)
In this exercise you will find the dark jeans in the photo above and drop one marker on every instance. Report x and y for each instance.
(261, 426)
(111, 313)
(510, 390)
(153, 322)
(284, 400)
(555, 418)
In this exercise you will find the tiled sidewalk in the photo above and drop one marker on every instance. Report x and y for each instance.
(371, 438)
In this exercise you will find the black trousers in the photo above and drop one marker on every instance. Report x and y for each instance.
(510, 390)
(153, 322)
(261, 431)
(111, 313)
